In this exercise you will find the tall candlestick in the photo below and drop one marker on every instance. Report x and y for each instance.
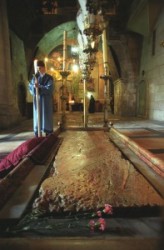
(37, 100)
(35, 66)
(104, 47)
(64, 50)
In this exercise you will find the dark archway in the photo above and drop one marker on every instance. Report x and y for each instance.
(22, 96)
(116, 61)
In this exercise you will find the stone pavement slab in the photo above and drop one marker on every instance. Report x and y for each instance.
(92, 172)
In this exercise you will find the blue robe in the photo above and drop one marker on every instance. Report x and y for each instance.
(45, 101)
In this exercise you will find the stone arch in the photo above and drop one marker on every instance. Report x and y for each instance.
(55, 37)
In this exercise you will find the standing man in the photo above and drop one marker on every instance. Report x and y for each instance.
(44, 83)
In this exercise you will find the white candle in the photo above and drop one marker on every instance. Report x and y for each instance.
(64, 50)
(35, 66)
(45, 61)
(104, 47)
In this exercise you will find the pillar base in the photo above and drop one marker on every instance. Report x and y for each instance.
(63, 122)
(9, 117)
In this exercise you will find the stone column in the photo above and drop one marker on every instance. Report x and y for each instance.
(9, 114)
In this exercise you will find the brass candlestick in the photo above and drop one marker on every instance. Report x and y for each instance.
(63, 98)
(106, 78)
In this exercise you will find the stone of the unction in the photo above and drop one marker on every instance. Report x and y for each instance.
(90, 172)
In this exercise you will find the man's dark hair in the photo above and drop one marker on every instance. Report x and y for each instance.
(40, 63)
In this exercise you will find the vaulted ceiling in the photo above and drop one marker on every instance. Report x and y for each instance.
(33, 19)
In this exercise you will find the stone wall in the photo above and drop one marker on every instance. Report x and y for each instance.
(124, 86)
(147, 19)
(9, 114)
(152, 63)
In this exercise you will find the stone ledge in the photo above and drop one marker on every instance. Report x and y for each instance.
(20, 185)
(150, 166)
(81, 243)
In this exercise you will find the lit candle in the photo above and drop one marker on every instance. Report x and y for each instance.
(104, 47)
(35, 66)
(45, 61)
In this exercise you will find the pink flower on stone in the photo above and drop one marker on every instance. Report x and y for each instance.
(108, 209)
(99, 214)
(102, 224)
(92, 225)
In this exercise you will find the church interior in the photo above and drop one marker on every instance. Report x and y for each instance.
(98, 179)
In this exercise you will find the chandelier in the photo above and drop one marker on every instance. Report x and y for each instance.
(90, 61)
(85, 72)
(93, 25)
(95, 6)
